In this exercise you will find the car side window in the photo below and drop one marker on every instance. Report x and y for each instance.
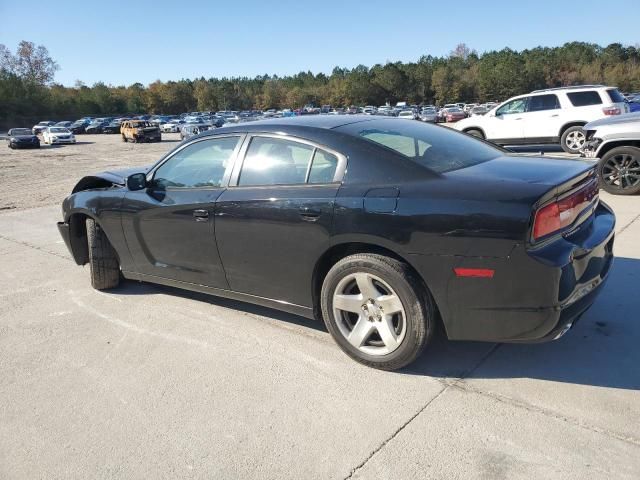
(323, 167)
(514, 106)
(583, 99)
(539, 103)
(200, 164)
(275, 161)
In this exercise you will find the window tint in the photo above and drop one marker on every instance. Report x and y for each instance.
(514, 106)
(582, 99)
(538, 103)
(201, 164)
(439, 149)
(615, 95)
(323, 168)
(275, 161)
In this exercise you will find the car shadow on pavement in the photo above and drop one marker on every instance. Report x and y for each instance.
(131, 287)
(602, 349)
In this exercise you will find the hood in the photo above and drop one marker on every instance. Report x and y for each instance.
(108, 178)
(24, 137)
(615, 120)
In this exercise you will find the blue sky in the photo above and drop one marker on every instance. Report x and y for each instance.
(141, 40)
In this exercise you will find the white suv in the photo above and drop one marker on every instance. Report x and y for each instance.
(554, 115)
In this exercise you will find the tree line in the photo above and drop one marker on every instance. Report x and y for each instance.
(28, 90)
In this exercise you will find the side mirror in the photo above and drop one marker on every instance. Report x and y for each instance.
(137, 181)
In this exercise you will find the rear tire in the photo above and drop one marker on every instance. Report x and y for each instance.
(474, 132)
(356, 298)
(619, 171)
(124, 139)
(103, 262)
(573, 139)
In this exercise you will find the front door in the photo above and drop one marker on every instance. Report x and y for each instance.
(275, 219)
(507, 126)
(169, 225)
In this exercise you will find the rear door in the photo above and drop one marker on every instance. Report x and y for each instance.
(275, 219)
(169, 225)
(543, 118)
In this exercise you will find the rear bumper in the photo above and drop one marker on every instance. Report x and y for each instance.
(534, 295)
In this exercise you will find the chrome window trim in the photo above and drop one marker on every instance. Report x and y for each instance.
(337, 177)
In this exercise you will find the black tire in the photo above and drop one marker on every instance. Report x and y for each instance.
(474, 132)
(567, 141)
(124, 139)
(419, 310)
(103, 262)
(621, 165)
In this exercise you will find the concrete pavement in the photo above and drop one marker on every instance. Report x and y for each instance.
(152, 382)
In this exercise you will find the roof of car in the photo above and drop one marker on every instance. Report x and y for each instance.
(316, 121)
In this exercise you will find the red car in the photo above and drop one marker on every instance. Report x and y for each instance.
(454, 114)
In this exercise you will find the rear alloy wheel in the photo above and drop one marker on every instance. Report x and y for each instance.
(573, 139)
(619, 171)
(372, 307)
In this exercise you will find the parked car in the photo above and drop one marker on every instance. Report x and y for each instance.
(616, 142)
(190, 129)
(425, 226)
(478, 111)
(429, 115)
(407, 114)
(172, 126)
(22, 138)
(112, 127)
(41, 126)
(96, 126)
(79, 126)
(453, 114)
(634, 103)
(554, 115)
(140, 131)
(58, 135)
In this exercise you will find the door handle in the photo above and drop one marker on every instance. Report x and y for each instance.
(519, 118)
(309, 214)
(201, 215)
(556, 115)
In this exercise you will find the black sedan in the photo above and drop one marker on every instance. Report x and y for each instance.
(22, 138)
(112, 127)
(381, 227)
(96, 127)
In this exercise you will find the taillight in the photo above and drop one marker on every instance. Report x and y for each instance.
(562, 213)
(611, 111)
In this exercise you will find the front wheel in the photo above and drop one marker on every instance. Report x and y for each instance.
(377, 311)
(619, 171)
(573, 139)
(103, 261)
(474, 132)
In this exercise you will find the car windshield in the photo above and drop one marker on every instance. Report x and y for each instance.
(58, 130)
(439, 149)
(454, 110)
(20, 131)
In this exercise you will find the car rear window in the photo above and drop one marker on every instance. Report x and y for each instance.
(438, 148)
(583, 99)
(615, 95)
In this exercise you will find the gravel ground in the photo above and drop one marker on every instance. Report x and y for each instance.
(33, 178)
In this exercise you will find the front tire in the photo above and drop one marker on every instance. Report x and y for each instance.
(103, 261)
(573, 139)
(619, 171)
(474, 132)
(377, 311)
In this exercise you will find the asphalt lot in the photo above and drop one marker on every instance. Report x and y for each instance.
(152, 382)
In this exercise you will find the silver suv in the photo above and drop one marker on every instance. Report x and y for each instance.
(616, 141)
(554, 115)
